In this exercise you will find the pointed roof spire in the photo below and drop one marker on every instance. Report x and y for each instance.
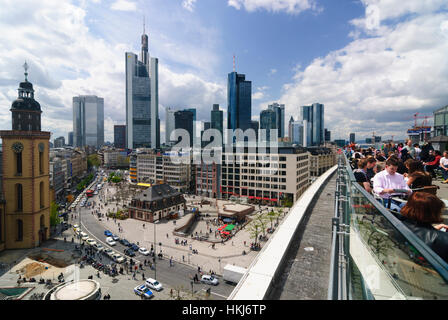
(25, 66)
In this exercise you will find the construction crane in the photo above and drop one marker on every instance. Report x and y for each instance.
(424, 124)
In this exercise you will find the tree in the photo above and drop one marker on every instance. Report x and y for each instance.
(262, 220)
(93, 161)
(254, 229)
(271, 216)
(54, 213)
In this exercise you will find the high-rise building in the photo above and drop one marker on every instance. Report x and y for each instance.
(120, 136)
(239, 102)
(59, 142)
(327, 135)
(268, 121)
(352, 138)
(297, 132)
(88, 121)
(280, 110)
(25, 213)
(314, 114)
(193, 111)
(142, 99)
(70, 138)
(217, 119)
(290, 133)
(184, 120)
(255, 125)
(169, 125)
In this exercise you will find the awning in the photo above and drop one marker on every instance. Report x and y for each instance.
(225, 232)
(222, 227)
(230, 227)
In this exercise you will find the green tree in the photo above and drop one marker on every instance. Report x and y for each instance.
(54, 212)
(254, 230)
(262, 221)
(93, 161)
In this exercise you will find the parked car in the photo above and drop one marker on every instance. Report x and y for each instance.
(144, 291)
(84, 236)
(143, 251)
(129, 252)
(75, 226)
(116, 238)
(125, 242)
(134, 247)
(110, 241)
(108, 252)
(90, 242)
(98, 247)
(118, 258)
(153, 284)
(209, 280)
(107, 233)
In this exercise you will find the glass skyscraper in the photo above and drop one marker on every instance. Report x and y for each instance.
(120, 136)
(314, 115)
(88, 121)
(142, 99)
(184, 120)
(239, 102)
(169, 124)
(280, 110)
(269, 120)
(217, 119)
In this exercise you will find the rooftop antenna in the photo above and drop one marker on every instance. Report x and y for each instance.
(25, 66)
(233, 62)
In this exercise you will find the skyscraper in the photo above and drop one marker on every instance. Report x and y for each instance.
(280, 110)
(239, 102)
(290, 133)
(193, 111)
(88, 121)
(184, 120)
(327, 135)
(217, 119)
(169, 124)
(268, 121)
(59, 142)
(314, 115)
(120, 136)
(352, 138)
(142, 99)
(70, 138)
(297, 132)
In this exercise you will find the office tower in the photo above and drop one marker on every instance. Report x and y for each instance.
(169, 125)
(184, 120)
(142, 99)
(352, 138)
(193, 110)
(255, 125)
(297, 133)
(25, 208)
(88, 121)
(239, 102)
(314, 115)
(327, 135)
(217, 119)
(280, 110)
(207, 125)
(70, 138)
(377, 139)
(268, 120)
(59, 142)
(120, 136)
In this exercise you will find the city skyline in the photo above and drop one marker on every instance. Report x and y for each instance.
(367, 68)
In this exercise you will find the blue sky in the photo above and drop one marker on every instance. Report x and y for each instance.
(373, 63)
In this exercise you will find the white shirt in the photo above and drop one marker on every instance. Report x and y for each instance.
(444, 162)
(383, 180)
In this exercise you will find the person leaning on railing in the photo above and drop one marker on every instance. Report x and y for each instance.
(422, 214)
(361, 175)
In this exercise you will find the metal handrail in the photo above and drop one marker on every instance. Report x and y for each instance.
(433, 258)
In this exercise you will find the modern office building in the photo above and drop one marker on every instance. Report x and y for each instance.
(314, 114)
(88, 121)
(169, 125)
(441, 121)
(352, 138)
(120, 136)
(217, 119)
(59, 142)
(297, 132)
(255, 125)
(239, 102)
(268, 121)
(142, 99)
(327, 135)
(290, 133)
(280, 111)
(184, 119)
(193, 111)
(70, 138)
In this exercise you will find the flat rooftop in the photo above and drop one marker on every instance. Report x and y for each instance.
(306, 270)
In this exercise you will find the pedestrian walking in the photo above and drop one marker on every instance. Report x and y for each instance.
(143, 277)
(183, 258)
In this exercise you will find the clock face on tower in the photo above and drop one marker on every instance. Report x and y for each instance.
(41, 147)
(17, 147)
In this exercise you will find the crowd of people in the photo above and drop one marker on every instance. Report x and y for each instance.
(401, 177)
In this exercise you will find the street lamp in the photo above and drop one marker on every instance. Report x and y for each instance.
(192, 287)
(155, 250)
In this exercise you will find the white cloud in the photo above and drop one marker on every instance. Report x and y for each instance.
(124, 5)
(377, 83)
(188, 4)
(289, 6)
(66, 59)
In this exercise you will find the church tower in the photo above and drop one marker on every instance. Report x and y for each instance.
(25, 168)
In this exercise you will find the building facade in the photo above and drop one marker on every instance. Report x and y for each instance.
(239, 102)
(142, 99)
(169, 125)
(88, 121)
(184, 119)
(25, 165)
(120, 136)
(70, 138)
(217, 120)
(268, 121)
(280, 111)
(314, 115)
(59, 142)
(321, 159)
(208, 180)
